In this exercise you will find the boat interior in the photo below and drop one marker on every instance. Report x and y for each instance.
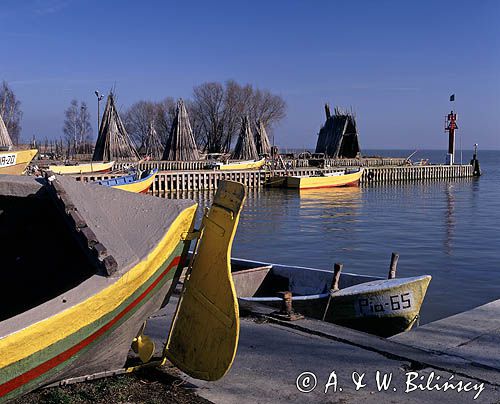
(40, 259)
(258, 279)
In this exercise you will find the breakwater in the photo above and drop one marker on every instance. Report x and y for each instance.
(194, 180)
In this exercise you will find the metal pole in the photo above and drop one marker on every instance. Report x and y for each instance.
(99, 98)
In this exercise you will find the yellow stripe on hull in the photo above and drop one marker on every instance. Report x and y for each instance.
(82, 168)
(39, 336)
(244, 165)
(15, 162)
(137, 187)
(310, 182)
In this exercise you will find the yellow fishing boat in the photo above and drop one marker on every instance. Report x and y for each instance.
(90, 168)
(115, 258)
(14, 162)
(325, 180)
(137, 183)
(240, 165)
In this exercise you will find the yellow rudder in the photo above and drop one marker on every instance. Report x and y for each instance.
(204, 334)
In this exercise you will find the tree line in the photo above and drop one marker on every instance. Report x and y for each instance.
(215, 111)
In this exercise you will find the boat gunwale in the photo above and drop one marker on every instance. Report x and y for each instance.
(152, 173)
(92, 285)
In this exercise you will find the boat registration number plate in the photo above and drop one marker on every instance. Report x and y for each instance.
(384, 304)
(7, 160)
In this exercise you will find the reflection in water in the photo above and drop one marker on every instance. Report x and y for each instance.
(331, 202)
(448, 229)
(450, 221)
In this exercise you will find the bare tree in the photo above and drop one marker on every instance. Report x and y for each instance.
(137, 120)
(217, 109)
(77, 128)
(141, 115)
(208, 107)
(85, 129)
(10, 109)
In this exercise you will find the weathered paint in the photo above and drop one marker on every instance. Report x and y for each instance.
(203, 340)
(45, 347)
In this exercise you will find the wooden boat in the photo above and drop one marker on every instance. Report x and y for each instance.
(89, 168)
(239, 165)
(14, 162)
(137, 183)
(75, 300)
(325, 180)
(378, 306)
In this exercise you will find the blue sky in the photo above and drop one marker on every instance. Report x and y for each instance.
(394, 62)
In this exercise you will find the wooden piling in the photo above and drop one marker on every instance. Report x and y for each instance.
(394, 265)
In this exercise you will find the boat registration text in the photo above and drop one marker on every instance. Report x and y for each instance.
(384, 304)
(7, 160)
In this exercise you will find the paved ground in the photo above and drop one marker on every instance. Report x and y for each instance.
(473, 335)
(271, 356)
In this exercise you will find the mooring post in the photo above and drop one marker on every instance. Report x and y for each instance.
(337, 269)
(286, 302)
(394, 265)
(286, 312)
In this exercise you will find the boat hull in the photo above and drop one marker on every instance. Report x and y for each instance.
(311, 182)
(378, 306)
(244, 165)
(136, 186)
(384, 308)
(95, 334)
(91, 168)
(15, 162)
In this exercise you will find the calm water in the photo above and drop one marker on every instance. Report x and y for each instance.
(448, 229)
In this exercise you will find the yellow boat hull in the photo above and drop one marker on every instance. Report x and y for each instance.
(244, 165)
(312, 182)
(83, 168)
(140, 187)
(15, 162)
(88, 329)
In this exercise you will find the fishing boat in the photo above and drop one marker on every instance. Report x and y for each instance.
(343, 178)
(89, 168)
(75, 300)
(139, 182)
(378, 306)
(14, 162)
(238, 165)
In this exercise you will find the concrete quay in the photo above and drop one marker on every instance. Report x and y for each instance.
(273, 353)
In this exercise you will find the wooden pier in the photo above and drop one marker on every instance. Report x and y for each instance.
(195, 180)
(289, 162)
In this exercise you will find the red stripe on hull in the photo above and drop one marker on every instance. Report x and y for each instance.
(64, 356)
(106, 170)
